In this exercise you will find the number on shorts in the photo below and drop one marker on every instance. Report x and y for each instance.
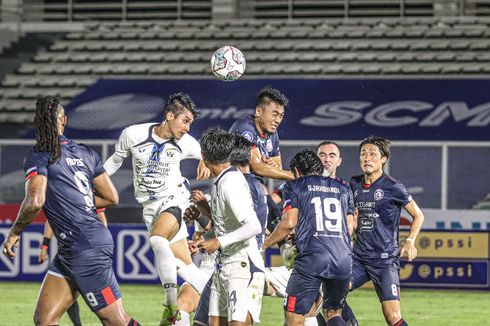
(394, 289)
(328, 215)
(91, 299)
(232, 300)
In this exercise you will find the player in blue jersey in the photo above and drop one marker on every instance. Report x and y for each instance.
(379, 199)
(61, 177)
(261, 130)
(320, 210)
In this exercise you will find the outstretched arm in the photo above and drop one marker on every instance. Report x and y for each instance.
(261, 168)
(30, 207)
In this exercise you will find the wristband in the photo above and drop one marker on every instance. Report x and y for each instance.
(410, 239)
(100, 210)
(44, 247)
(45, 243)
(203, 221)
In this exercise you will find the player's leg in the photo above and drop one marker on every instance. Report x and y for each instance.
(187, 301)
(218, 300)
(56, 295)
(387, 284)
(335, 293)
(201, 318)
(74, 314)
(301, 295)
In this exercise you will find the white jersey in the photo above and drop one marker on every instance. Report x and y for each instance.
(232, 207)
(156, 161)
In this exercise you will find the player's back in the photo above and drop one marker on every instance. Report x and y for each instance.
(321, 233)
(260, 204)
(70, 201)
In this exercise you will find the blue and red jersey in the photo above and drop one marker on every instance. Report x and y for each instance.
(379, 206)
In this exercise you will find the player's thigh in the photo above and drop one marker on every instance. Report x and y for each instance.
(335, 294)
(386, 282)
(166, 224)
(56, 295)
(113, 314)
(359, 275)
(301, 293)
(181, 251)
(294, 319)
(188, 298)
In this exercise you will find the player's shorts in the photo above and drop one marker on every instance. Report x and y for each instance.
(386, 280)
(201, 316)
(278, 277)
(303, 290)
(236, 291)
(92, 274)
(153, 208)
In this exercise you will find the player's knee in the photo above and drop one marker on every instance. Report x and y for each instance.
(157, 242)
(41, 319)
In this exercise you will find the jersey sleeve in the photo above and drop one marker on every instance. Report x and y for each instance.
(275, 145)
(191, 148)
(350, 201)
(36, 163)
(400, 194)
(123, 145)
(289, 197)
(245, 130)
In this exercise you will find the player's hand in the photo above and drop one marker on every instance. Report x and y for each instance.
(192, 213)
(11, 241)
(203, 172)
(210, 245)
(200, 200)
(269, 161)
(409, 248)
(42, 255)
(192, 247)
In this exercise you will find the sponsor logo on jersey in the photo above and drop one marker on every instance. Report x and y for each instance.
(248, 135)
(268, 145)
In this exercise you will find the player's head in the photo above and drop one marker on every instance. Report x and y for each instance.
(49, 123)
(306, 162)
(216, 146)
(374, 152)
(329, 153)
(241, 154)
(269, 109)
(179, 112)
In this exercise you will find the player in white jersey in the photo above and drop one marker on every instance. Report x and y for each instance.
(156, 150)
(238, 281)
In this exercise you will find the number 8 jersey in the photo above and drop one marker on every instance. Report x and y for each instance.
(322, 235)
(70, 202)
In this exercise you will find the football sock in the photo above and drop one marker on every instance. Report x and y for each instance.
(310, 321)
(336, 321)
(192, 275)
(348, 315)
(133, 322)
(74, 314)
(167, 268)
(184, 319)
(321, 320)
(401, 322)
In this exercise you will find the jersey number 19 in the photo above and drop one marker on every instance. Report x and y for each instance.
(328, 215)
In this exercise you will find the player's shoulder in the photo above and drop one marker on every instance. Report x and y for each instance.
(356, 179)
(389, 181)
(244, 127)
(186, 138)
(230, 178)
(139, 129)
(32, 155)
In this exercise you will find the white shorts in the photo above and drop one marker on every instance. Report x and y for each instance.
(153, 208)
(236, 291)
(278, 277)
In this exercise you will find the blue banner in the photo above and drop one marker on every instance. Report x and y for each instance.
(342, 109)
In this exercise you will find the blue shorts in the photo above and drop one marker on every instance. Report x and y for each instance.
(386, 279)
(303, 290)
(92, 274)
(202, 312)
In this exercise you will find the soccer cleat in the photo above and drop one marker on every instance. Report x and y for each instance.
(170, 315)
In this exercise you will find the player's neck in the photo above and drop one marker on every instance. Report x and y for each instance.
(163, 131)
(244, 169)
(259, 129)
(216, 169)
(372, 177)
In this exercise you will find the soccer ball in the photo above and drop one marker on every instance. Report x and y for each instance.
(228, 63)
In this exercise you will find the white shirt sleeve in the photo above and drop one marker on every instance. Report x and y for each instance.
(123, 145)
(113, 164)
(236, 193)
(191, 147)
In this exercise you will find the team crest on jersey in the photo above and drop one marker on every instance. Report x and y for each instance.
(248, 135)
(170, 153)
(379, 194)
(268, 145)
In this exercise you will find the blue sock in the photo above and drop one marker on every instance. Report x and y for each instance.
(336, 321)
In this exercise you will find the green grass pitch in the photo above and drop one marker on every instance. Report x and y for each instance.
(419, 307)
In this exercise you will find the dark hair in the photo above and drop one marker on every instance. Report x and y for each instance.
(217, 145)
(328, 142)
(307, 162)
(240, 155)
(178, 103)
(46, 126)
(269, 94)
(383, 145)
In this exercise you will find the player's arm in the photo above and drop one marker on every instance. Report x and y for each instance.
(285, 226)
(350, 224)
(105, 193)
(259, 167)
(418, 219)
(47, 236)
(202, 171)
(113, 164)
(30, 207)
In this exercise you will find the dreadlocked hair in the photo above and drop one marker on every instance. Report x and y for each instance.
(46, 125)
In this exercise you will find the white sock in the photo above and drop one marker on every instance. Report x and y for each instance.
(310, 321)
(193, 275)
(185, 319)
(167, 268)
